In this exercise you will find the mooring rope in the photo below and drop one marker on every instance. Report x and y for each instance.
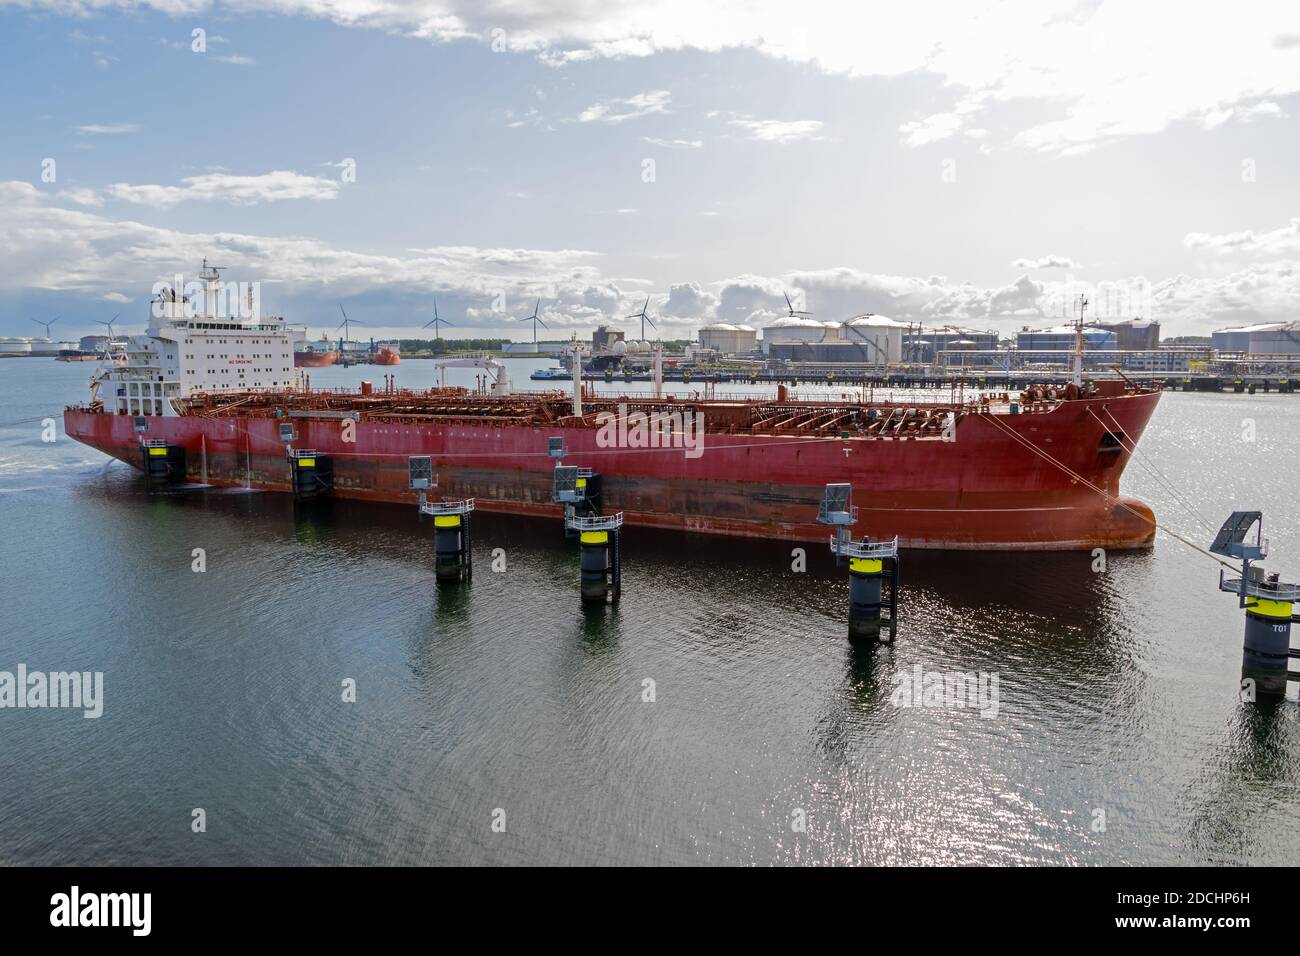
(1156, 472)
(1105, 495)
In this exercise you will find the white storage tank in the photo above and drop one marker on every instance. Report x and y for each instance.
(728, 339)
(880, 336)
(795, 329)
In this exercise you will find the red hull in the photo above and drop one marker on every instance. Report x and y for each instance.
(314, 359)
(985, 490)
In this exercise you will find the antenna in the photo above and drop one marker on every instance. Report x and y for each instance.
(794, 313)
(436, 322)
(46, 324)
(1078, 341)
(210, 272)
(643, 317)
(536, 320)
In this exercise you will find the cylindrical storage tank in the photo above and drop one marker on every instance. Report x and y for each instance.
(879, 336)
(794, 329)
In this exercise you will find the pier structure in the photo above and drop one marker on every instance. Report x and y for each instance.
(163, 464)
(600, 543)
(1269, 604)
(311, 475)
(872, 565)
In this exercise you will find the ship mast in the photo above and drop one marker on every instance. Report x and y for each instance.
(1078, 341)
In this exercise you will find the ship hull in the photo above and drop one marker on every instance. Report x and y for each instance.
(992, 487)
(314, 359)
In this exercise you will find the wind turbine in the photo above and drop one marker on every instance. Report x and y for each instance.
(346, 324)
(643, 317)
(436, 322)
(794, 313)
(109, 324)
(46, 324)
(536, 320)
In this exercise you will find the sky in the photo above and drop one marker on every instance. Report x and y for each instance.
(980, 164)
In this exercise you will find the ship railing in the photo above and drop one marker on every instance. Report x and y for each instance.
(1260, 589)
(458, 507)
(874, 550)
(594, 522)
(841, 392)
(303, 453)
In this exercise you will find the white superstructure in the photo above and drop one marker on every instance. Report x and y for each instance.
(187, 349)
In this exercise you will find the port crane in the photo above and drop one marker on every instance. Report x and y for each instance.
(498, 372)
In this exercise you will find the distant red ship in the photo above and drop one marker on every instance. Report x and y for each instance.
(317, 357)
(388, 354)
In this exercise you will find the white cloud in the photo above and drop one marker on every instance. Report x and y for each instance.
(49, 247)
(114, 297)
(931, 129)
(107, 129)
(1045, 262)
(81, 196)
(235, 59)
(1284, 240)
(1095, 72)
(780, 131)
(618, 110)
(274, 186)
(686, 300)
(674, 143)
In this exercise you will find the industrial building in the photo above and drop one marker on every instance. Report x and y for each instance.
(837, 351)
(925, 345)
(603, 339)
(798, 329)
(1056, 344)
(729, 339)
(1273, 338)
(22, 345)
(1133, 335)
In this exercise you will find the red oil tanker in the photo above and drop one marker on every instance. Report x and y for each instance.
(1035, 471)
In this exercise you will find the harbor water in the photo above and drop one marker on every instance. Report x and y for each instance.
(718, 715)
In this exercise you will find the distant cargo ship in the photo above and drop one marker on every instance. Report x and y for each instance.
(388, 353)
(317, 354)
(1035, 471)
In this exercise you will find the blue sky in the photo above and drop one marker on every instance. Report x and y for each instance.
(946, 163)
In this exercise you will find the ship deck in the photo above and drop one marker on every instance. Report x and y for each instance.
(916, 417)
